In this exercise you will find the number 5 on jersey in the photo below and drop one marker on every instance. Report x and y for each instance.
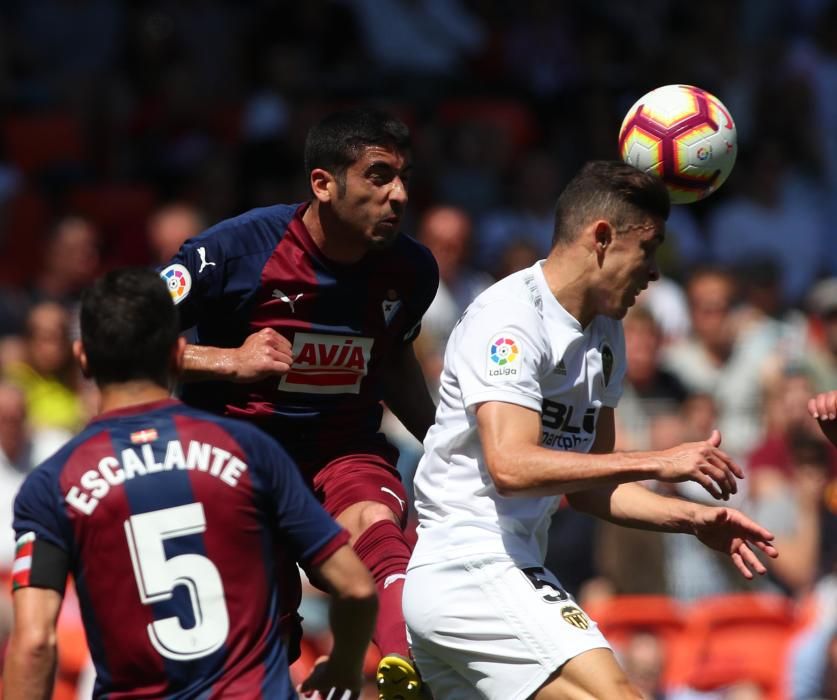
(157, 578)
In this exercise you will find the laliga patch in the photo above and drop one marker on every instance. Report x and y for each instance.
(504, 357)
(178, 280)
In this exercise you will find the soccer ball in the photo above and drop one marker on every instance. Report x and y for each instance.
(685, 136)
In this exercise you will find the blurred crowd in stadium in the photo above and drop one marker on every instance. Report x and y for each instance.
(128, 127)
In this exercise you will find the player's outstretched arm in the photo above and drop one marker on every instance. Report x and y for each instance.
(29, 671)
(354, 606)
(263, 354)
(511, 434)
(823, 407)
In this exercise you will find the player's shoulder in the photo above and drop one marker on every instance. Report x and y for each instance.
(415, 254)
(250, 232)
(48, 472)
(514, 294)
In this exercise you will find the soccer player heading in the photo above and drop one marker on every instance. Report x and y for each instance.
(171, 521)
(305, 316)
(532, 375)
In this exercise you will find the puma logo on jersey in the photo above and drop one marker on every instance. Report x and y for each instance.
(204, 261)
(281, 296)
(392, 493)
(328, 364)
(392, 578)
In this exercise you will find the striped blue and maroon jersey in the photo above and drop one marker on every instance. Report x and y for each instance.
(262, 269)
(171, 520)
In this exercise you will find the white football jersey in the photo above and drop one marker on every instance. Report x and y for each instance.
(516, 344)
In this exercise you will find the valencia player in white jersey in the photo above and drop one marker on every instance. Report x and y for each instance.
(531, 377)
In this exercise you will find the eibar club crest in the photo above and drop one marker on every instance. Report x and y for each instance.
(607, 363)
(390, 305)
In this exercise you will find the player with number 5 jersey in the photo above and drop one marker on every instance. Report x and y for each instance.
(172, 521)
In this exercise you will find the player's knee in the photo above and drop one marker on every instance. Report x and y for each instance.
(373, 513)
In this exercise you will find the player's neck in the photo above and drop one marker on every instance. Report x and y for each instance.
(568, 283)
(113, 397)
(332, 246)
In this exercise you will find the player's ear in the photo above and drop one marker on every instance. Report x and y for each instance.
(603, 234)
(323, 185)
(81, 358)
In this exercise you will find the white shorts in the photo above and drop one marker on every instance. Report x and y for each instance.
(482, 628)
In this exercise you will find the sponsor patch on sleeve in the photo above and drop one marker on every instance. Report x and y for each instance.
(178, 280)
(503, 357)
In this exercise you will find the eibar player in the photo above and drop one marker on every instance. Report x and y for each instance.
(531, 376)
(305, 316)
(170, 520)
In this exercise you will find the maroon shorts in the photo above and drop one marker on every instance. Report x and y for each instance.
(357, 477)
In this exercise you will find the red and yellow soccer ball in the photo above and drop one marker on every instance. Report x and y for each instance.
(685, 136)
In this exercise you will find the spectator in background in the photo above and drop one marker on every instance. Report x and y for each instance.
(719, 360)
(771, 464)
(798, 511)
(821, 358)
(71, 260)
(776, 206)
(650, 389)
(517, 255)
(429, 39)
(447, 231)
(46, 372)
(531, 214)
(22, 447)
(170, 226)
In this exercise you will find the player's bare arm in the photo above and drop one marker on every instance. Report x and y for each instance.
(823, 407)
(354, 606)
(263, 354)
(406, 394)
(510, 436)
(29, 670)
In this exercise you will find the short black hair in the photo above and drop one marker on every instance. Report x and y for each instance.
(129, 325)
(338, 140)
(608, 189)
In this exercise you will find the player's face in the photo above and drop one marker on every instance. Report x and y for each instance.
(630, 265)
(374, 198)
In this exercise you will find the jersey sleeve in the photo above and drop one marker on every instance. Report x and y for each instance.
(499, 355)
(426, 288)
(302, 523)
(42, 553)
(196, 277)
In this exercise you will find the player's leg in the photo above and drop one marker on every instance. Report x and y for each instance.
(364, 494)
(591, 675)
(510, 632)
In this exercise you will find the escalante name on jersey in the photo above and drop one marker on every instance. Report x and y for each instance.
(96, 483)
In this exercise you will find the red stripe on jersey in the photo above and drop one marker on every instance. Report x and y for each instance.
(240, 561)
(108, 581)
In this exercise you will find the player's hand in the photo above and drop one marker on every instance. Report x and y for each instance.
(263, 354)
(702, 462)
(823, 407)
(328, 680)
(731, 532)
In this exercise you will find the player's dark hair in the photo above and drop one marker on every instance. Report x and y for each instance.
(612, 190)
(338, 140)
(129, 326)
